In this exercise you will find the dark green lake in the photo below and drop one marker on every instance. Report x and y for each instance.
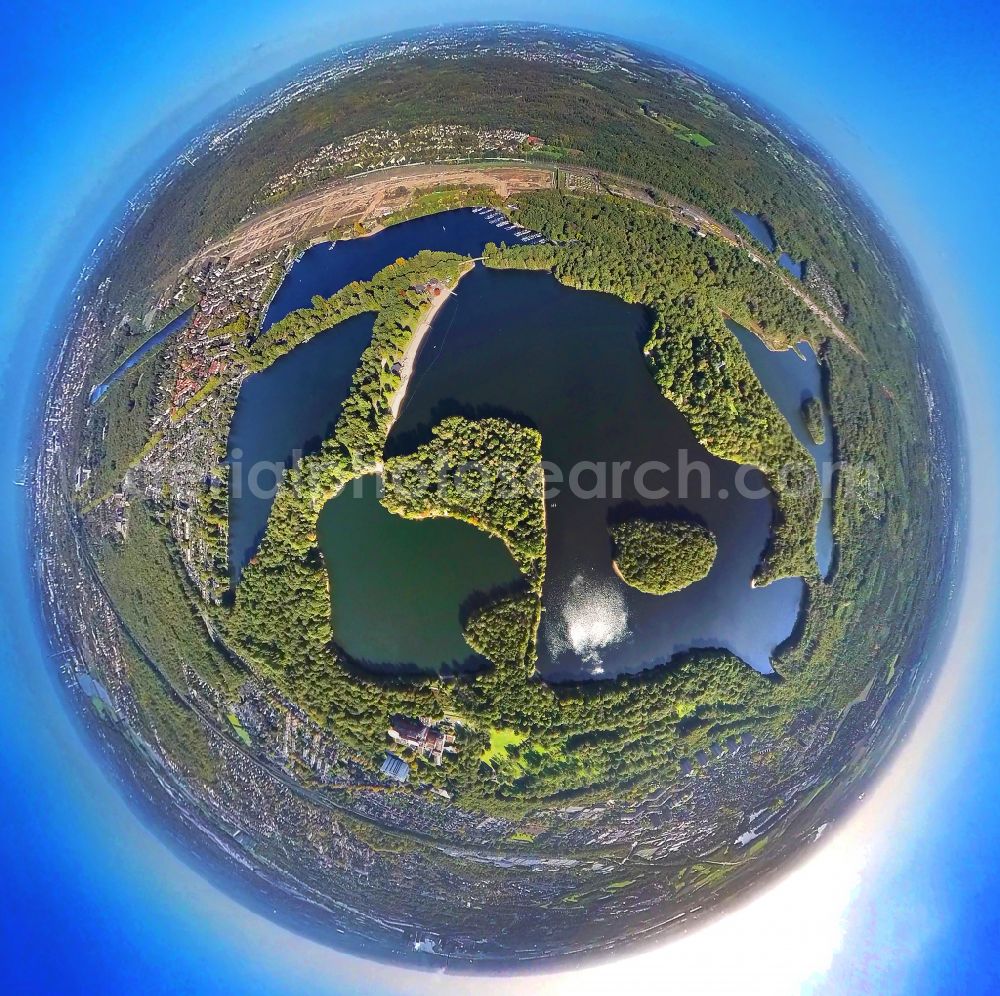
(398, 585)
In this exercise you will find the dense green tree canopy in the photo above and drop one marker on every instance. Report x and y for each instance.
(812, 413)
(661, 556)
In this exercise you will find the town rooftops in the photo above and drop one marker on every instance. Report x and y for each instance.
(416, 734)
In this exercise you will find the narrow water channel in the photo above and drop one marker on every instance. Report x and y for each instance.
(283, 414)
(136, 355)
(790, 377)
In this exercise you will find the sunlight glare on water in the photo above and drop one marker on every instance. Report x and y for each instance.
(592, 616)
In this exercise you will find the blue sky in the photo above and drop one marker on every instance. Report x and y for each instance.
(903, 94)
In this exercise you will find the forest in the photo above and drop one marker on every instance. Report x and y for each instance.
(281, 615)
(576, 738)
(121, 426)
(168, 721)
(659, 556)
(573, 740)
(146, 585)
(486, 472)
(812, 415)
(595, 119)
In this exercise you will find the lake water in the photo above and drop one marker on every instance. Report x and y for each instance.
(282, 414)
(759, 229)
(285, 411)
(763, 233)
(790, 376)
(570, 363)
(399, 585)
(326, 268)
(133, 358)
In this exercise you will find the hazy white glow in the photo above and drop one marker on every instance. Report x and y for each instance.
(592, 616)
(780, 943)
(786, 939)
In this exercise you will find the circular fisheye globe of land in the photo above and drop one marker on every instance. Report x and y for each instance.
(493, 502)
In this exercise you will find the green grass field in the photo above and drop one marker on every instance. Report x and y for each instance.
(500, 741)
(238, 727)
(696, 138)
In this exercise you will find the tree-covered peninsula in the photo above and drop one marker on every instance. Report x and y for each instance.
(634, 799)
(486, 472)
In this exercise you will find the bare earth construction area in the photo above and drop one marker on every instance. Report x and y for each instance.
(365, 200)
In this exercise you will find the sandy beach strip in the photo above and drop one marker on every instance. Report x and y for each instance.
(409, 357)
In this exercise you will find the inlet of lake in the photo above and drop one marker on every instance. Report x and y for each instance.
(570, 363)
(325, 268)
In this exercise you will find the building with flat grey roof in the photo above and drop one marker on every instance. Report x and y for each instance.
(395, 767)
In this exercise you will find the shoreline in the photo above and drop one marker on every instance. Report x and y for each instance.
(412, 350)
(313, 213)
